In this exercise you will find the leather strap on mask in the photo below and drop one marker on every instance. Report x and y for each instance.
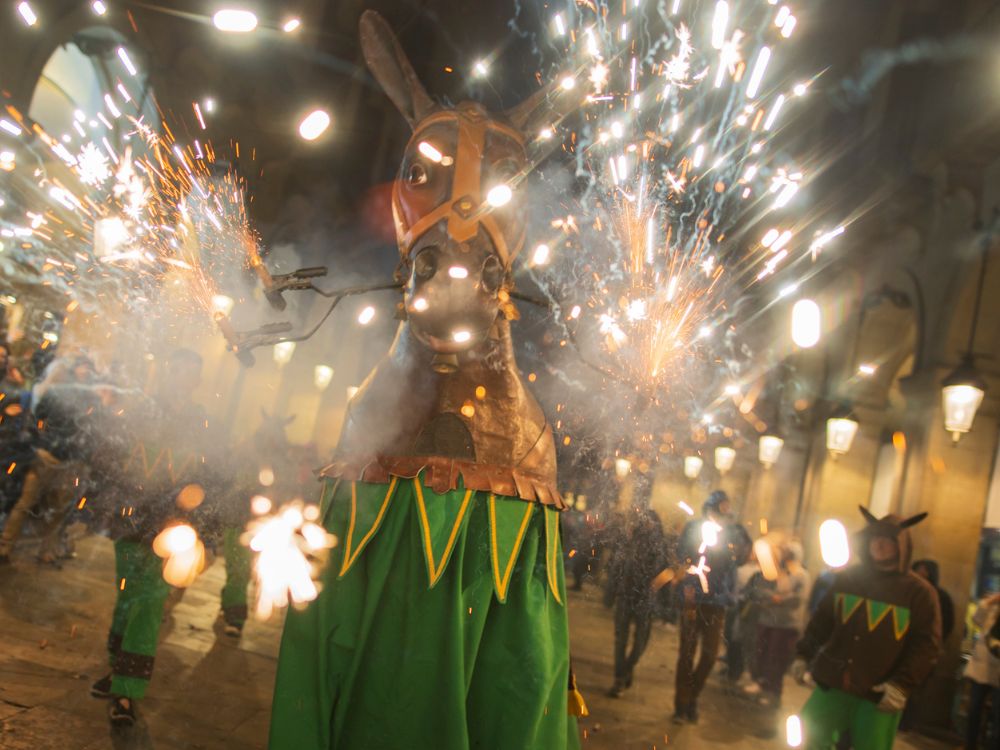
(464, 209)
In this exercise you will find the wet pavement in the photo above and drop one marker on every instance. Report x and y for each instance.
(213, 692)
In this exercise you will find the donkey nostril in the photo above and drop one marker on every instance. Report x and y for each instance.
(425, 264)
(492, 274)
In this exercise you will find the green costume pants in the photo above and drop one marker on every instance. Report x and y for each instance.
(440, 625)
(234, 592)
(135, 624)
(830, 713)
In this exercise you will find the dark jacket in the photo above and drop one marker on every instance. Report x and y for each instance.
(944, 598)
(638, 557)
(873, 625)
(723, 558)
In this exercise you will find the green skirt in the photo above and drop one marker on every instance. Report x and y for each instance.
(441, 623)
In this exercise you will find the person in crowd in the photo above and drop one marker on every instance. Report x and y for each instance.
(267, 467)
(780, 605)
(163, 448)
(873, 639)
(15, 446)
(983, 673)
(741, 624)
(630, 587)
(930, 571)
(595, 535)
(63, 440)
(710, 551)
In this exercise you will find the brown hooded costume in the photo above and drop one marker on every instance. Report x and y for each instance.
(875, 626)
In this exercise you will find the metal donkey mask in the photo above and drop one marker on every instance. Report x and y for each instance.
(447, 399)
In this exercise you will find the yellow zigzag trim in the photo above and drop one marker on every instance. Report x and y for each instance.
(436, 569)
(349, 556)
(502, 581)
(552, 552)
(873, 625)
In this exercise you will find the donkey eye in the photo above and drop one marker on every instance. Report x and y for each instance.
(416, 174)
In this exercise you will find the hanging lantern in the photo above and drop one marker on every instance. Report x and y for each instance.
(725, 457)
(768, 450)
(322, 375)
(692, 466)
(840, 431)
(806, 323)
(962, 393)
(283, 352)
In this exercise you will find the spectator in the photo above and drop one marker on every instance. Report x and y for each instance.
(930, 571)
(983, 674)
(631, 570)
(710, 550)
(874, 638)
(780, 605)
(63, 440)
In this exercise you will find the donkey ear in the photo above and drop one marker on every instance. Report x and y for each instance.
(913, 520)
(546, 107)
(868, 516)
(391, 68)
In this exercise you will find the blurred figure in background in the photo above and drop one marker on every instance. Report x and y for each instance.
(631, 569)
(15, 445)
(161, 465)
(983, 673)
(780, 604)
(710, 551)
(268, 468)
(930, 571)
(65, 412)
(741, 624)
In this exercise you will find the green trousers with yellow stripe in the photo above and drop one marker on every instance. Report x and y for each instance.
(135, 624)
(830, 714)
(441, 623)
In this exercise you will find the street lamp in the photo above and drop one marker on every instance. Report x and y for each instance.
(322, 375)
(962, 393)
(314, 124)
(963, 390)
(283, 352)
(725, 456)
(622, 467)
(806, 323)
(235, 21)
(841, 428)
(768, 449)
(692, 466)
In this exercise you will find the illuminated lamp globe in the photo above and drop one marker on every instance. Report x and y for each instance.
(283, 352)
(806, 323)
(235, 21)
(962, 394)
(769, 449)
(692, 466)
(841, 428)
(622, 467)
(322, 375)
(725, 457)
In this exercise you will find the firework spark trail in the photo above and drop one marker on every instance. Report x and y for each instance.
(676, 158)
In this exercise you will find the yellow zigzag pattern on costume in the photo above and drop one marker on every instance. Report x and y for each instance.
(164, 457)
(508, 520)
(845, 605)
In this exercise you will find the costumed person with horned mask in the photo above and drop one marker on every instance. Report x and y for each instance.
(874, 637)
(441, 622)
